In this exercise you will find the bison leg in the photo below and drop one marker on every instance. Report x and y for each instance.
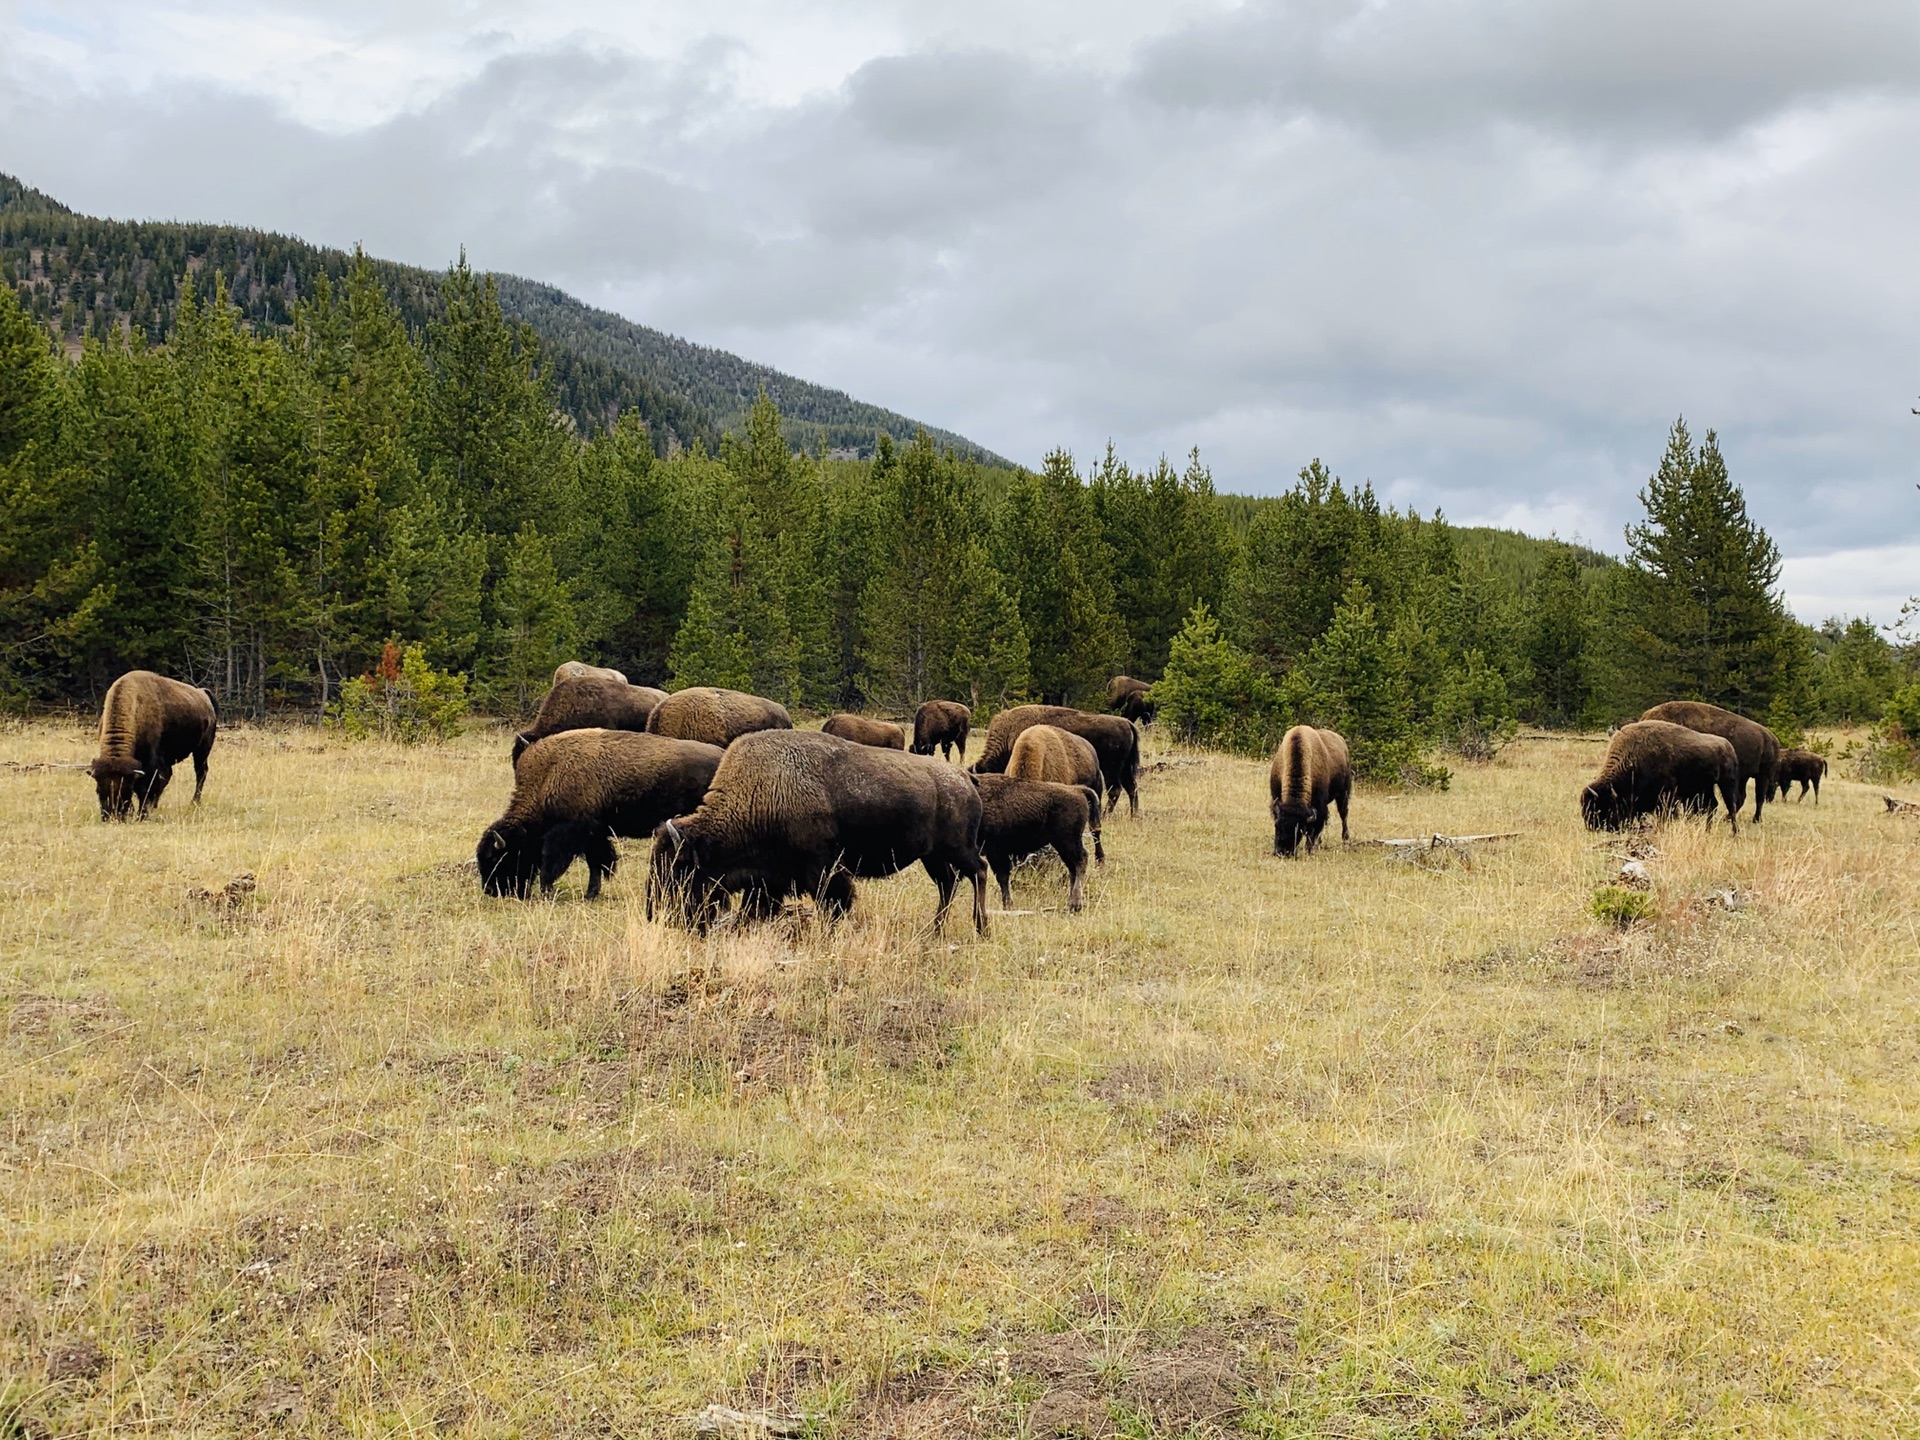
(1073, 854)
(1002, 864)
(1759, 797)
(946, 876)
(156, 786)
(1732, 795)
(200, 770)
(602, 861)
(1342, 797)
(834, 894)
(980, 897)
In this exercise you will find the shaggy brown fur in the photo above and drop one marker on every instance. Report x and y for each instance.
(580, 670)
(1803, 766)
(1114, 740)
(863, 730)
(589, 702)
(1654, 767)
(944, 723)
(1019, 818)
(716, 717)
(1754, 746)
(573, 792)
(1046, 752)
(148, 724)
(1131, 698)
(1309, 773)
(801, 813)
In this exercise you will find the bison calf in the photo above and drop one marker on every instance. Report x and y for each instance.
(862, 730)
(1309, 772)
(575, 791)
(1131, 698)
(1019, 818)
(147, 725)
(944, 723)
(1654, 767)
(589, 702)
(1799, 765)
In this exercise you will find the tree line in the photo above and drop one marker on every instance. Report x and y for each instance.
(263, 513)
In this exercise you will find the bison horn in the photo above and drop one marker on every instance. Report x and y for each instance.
(673, 835)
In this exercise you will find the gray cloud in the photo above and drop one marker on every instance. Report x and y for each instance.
(1478, 253)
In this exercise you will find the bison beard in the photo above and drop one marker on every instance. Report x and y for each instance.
(1653, 767)
(798, 812)
(147, 725)
(1309, 772)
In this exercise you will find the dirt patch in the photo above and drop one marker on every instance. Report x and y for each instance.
(1093, 1387)
(30, 1014)
(75, 1360)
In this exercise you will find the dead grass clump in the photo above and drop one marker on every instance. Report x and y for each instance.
(1096, 1385)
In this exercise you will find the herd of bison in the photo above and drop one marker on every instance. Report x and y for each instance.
(745, 811)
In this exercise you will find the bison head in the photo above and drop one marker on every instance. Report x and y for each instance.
(118, 782)
(1290, 824)
(678, 876)
(508, 860)
(1601, 807)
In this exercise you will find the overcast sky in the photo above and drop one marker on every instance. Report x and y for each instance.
(1480, 252)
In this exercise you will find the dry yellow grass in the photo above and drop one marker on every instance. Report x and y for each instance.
(1340, 1147)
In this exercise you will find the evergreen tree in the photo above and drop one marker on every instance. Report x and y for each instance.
(1048, 546)
(991, 664)
(1557, 636)
(1856, 675)
(1710, 624)
(1354, 679)
(534, 621)
(736, 632)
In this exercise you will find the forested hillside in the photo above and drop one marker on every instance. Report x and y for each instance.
(84, 277)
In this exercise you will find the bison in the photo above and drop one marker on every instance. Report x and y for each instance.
(1019, 818)
(1131, 698)
(803, 813)
(1046, 752)
(580, 670)
(861, 730)
(148, 723)
(1754, 746)
(589, 702)
(1114, 740)
(1309, 772)
(716, 717)
(575, 791)
(1654, 767)
(944, 723)
(1799, 765)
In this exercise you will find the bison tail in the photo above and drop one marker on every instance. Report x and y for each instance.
(1093, 822)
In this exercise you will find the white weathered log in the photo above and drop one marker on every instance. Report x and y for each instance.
(1438, 842)
(745, 1424)
(1896, 806)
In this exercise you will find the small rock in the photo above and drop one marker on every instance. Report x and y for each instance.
(1634, 875)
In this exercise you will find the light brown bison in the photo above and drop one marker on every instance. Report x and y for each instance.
(147, 725)
(801, 813)
(1309, 773)
(944, 723)
(1131, 698)
(863, 730)
(1754, 745)
(589, 702)
(1114, 740)
(1019, 818)
(1654, 767)
(716, 717)
(1046, 752)
(580, 670)
(1803, 766)
(575, 791)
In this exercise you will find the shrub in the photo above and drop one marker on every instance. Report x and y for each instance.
(1620, 907)
(1473, 713)
(1214, 693)
(1892, 751)
(403, 698)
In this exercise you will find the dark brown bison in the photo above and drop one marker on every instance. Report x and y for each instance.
(575, 791)
(1309, 773)
(716, 717)
(1019, 818)
(1803, 766)
(580, 670)
(589, 702)
(148, 724)
(944, 723)
(1114, 740)
(1131, 698)
(801, 813)
(1046, 752)
(1754, 745)
(1654, 767)
(862, 730)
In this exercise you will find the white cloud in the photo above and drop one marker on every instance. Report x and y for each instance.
(1875, 581)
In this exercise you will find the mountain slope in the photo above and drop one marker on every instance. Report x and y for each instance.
(82, 276)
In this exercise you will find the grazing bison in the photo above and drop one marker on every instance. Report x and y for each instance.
(1131, 698)
(1309, 773)
(881, 734)
(1754, 746)
(589, 702)
(944, 723)
(1046, 752)
(148, 723)
(1801, 765)
(1019, 818)
(716, 717)
(1654, 767)
(580, 670)
(1114, 740)
(802, 813)
(573, 792)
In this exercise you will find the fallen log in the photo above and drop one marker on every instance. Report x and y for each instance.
(1897, 806)
(1436, 842)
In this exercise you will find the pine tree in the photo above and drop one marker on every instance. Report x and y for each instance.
(1710, 624)
(534, 623)
(1048, 546)
(1557, 640)
(1856, 675)
(1354, 679)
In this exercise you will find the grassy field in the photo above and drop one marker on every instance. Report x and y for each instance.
(1350, 1146)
